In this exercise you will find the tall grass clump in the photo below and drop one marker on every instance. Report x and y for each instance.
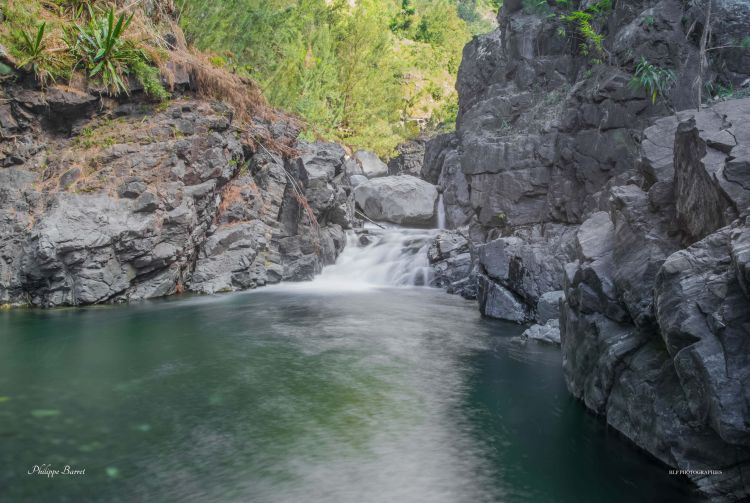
(109, 58)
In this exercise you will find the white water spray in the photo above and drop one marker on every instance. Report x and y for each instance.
(440, 212)
(381, 257)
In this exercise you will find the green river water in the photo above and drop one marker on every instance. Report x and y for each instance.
(299, 395)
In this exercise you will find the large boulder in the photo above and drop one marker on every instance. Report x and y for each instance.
(403, 200)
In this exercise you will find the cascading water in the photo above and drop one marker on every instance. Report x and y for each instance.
(440, 212)
(381, 257)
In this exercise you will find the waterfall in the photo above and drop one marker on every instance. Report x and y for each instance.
(440, 212)
(381, 257)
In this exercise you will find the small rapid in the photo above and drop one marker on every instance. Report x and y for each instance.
(381, 257)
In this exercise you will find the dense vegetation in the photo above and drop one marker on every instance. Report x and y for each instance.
(55, 39)
(368, 73)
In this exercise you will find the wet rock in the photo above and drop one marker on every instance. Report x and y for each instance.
(450, 255)
(497, 301)
(548, 333)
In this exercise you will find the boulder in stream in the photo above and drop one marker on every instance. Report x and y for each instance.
(403, 200)
(371, 164)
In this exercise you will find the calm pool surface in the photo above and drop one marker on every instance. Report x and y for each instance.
(298, 395)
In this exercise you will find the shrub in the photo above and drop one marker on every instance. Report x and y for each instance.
(654, 80)
(110, 59)
(592, 42)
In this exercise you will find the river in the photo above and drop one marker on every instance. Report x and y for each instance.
(356, 387)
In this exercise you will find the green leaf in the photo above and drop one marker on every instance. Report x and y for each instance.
(39, 35)
(96, 69)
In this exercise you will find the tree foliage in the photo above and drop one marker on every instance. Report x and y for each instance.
(369, 73)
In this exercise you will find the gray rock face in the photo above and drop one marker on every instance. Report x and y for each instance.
(450, 256)
(409, 159)
(548, 333)
(434, 156)
(653, 336)
(164, 213)
(355, 180)
(704, 320)
(326, 189)
(740, 251)
(496, 301)
(712, 179)
(455, 189)
(569, 204)
(371, 164)
(404, 200)
(548, 307)
(730, 21)
(530, 263)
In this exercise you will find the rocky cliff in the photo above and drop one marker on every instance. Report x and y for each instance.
(108, 201)
(620, 227)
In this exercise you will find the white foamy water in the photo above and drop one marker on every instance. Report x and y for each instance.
(441, 212)
(381, 257)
